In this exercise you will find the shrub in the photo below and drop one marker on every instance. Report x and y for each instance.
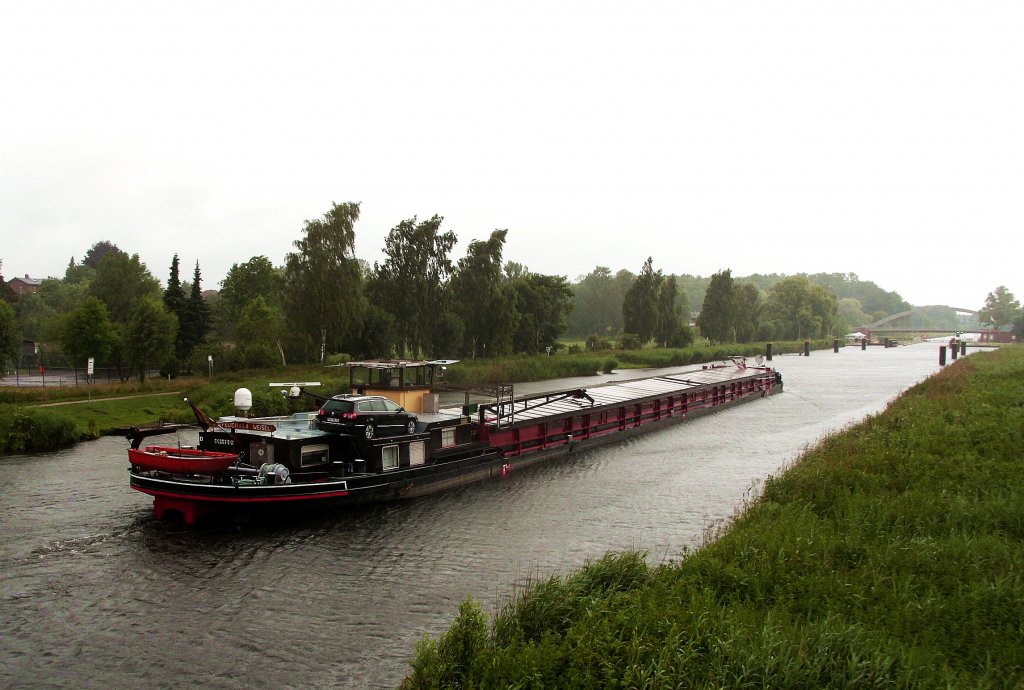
(447, 662)
(26, 429)
(683, 337)
(170, 369)
(337, 358)
(630, 341)
(258, 356)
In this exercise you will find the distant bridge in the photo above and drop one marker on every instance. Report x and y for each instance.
(877, 325)
(888, 326)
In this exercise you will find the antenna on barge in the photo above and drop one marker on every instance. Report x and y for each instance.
(297, 389)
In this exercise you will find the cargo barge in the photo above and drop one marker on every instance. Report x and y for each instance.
(301, 460)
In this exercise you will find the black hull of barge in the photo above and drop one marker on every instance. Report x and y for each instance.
(191, 498)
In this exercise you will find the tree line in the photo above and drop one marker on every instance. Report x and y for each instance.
(323, 304)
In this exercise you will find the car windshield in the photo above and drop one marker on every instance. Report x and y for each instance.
(338, 405)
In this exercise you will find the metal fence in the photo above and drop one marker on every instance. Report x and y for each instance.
(44, 376)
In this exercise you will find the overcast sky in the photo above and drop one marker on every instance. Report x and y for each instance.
(878, 138)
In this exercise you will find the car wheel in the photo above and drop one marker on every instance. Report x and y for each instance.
(411, 427)
(369, 432)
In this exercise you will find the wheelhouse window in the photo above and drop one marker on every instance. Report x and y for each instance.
(389, 457)
(310, 456)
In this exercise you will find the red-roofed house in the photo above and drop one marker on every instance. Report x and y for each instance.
(23, 285)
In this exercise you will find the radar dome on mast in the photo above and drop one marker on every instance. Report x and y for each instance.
(243, 399)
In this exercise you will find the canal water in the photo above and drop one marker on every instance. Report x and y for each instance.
(94, 593)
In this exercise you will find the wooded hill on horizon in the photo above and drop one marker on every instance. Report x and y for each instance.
(598, 299)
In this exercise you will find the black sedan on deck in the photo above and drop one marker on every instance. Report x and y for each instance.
(368, 415)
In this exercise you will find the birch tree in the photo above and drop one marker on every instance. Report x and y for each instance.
(411, 281)
(323, 282)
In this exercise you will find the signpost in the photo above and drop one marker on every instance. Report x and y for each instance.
(90, 366)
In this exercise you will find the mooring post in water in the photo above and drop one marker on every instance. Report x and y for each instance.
(807, 348)
(768, 351)
(955, 347)
(963, 347)
(863, 343)
(942, 355)
(835, 345)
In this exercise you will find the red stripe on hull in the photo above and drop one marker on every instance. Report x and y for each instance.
(239, 499)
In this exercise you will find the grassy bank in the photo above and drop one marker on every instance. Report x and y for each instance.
(890, 555)
(35, 419)
(26, 429)
(27, 423)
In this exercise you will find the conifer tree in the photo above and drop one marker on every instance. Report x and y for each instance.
(174, 300)
(196, 323)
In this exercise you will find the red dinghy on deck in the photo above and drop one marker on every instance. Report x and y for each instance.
(181, 460)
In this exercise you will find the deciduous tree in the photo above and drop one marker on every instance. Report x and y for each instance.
(748, 312)
(850, 313)
(796, 309)
(718, 314)
(78, 273)
(410, 282)
(670, 313)
(41, 313)
(120, 282)
(10, 333)
(98, 251)
(541, 304)
(261, 329)
(640, 303)
(88, 332)
(1001, 308)
(149, 335)
(323, 280)
(597, 302)
(376, 338)
(244, 282)
(486, 312)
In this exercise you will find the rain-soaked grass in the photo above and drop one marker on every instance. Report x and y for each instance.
(891, 555)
